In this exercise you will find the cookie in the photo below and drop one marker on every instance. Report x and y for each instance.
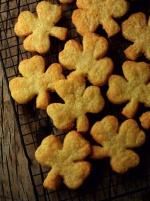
(137, 30)
(77, 101)
(35, 81)
(116, 141)
(88, 60)
(134, 88)
(92, 13)
(38, 28)
(145, 120)
(67, 160)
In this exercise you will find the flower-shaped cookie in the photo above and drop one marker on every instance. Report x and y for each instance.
(78, 100)
(116, 142)
(88, 60)
(35, 81)
(39, 27)
(92, 13)
(134, 88)
(145, 120)
(137, 29)
(66, 160)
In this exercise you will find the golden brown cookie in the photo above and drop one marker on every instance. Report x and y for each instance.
(35, 81)
(89, 60)
(116, 142)
(92, 13)
(134, 88)
(145, 120)
(39, 27)
(67, 160)
(78, 100)
(137, 30)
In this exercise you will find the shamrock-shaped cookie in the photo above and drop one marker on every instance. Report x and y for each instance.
(65, 159)
(116, 142)
(134, 88)
(137, 30)
(145, 120)
(39, 27)
(88, 60)
(78, 100)
(92, 13)
(35, 81)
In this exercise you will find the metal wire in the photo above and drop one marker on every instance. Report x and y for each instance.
(103, 184)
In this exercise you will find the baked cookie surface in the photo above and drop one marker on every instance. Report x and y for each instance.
(35, 81)
(137, 30)
(92, 13)
(134, 87)
(88, 59)
(66, 160)
(38, 28)
(117, 141)
(78, 101)
(145, 120)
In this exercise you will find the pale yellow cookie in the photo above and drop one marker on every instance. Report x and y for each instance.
(78, 101)
(88, 60)
(134, 88)
(35, 81)
(66, 160)
(39, 27)
(137, 30)
(92, 13)
(116, 142)
(145, 120)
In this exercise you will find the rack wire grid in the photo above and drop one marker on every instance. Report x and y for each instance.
(34, 124)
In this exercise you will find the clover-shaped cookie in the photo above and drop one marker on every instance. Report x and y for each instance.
(137, 29)
(88, 60)
(134, 88)
(78, 100)
(67, 160)
(39, 27)
(145, 120)
(92, 13)
(116, 142)
(35, 81)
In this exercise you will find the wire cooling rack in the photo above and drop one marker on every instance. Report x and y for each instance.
(34, 124)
